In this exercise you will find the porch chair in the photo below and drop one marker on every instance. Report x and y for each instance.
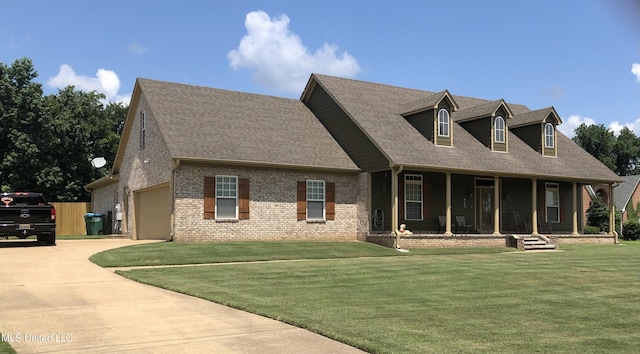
(521, 224)
(442, 223)
(544, 227)
(461, 222)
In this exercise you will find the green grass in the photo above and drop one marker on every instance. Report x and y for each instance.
(582, 300)
(5, 348)
(170, 253)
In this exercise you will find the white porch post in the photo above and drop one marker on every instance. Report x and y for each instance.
(534, 207)
(574, 187)
(612, 214)
(496, 206)
(447, 230)
(394, 203)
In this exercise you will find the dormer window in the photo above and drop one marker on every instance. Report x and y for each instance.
(443, 122)
(549, 136)
(499, 129)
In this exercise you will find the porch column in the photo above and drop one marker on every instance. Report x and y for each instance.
(496, 206)
(394, 203)
(612, 214)
(534, 207)
(574, 186)
(447, 229)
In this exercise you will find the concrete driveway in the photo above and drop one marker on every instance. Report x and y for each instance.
(54, 300)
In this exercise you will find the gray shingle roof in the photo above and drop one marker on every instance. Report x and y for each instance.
(477, 111)
(377, 108)
(204, 123)
(624, 191)
(428, 102)
(533, 117)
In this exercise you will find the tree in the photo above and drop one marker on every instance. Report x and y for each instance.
(22, 124)
(598, 141)
(627, 152)
(50, 141)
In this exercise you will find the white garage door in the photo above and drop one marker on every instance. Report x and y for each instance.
(153, 214)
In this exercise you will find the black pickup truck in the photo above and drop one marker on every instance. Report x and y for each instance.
(24, 214)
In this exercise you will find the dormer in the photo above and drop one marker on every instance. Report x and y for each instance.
(431, 116)
(538, 130)
(488, 123)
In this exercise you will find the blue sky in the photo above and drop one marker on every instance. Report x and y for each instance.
(580, 56)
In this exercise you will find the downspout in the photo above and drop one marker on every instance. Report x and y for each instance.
(172, 202)
(395, 172)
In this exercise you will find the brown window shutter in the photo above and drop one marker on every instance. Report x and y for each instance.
(209, 197)
(400, 196)
(330, 201)
(302, 200)
(426, 198)
(243, 198)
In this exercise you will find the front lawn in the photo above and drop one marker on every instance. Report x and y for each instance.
(582, 300)
(171, 253)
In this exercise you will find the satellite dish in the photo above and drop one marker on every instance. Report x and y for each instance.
(98, 162)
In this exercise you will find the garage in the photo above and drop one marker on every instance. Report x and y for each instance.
(152, 213)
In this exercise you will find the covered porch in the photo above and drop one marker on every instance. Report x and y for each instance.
(436, 205)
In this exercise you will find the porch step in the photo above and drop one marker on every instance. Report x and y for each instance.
(535, 243)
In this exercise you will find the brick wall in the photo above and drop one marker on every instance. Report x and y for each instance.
(273, 213)
(142, 168)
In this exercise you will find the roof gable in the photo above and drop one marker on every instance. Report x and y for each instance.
(427, 103)
(207, 124)
(535, 117)
(488, 109)
(624, 192)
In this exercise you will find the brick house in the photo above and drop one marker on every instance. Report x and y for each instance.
(202, 164)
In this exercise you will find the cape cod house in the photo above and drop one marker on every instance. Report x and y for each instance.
(349, 160)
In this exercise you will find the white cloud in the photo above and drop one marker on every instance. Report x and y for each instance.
(105, 81)
(635, 70)
(570, 124)
(278, 58)
(617, 127)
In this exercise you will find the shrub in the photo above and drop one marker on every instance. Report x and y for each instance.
(598, 214)
(631, 231)
(588, 229)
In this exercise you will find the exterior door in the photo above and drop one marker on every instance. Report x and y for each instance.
(484, 209)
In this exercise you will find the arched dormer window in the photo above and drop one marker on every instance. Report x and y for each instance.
(498, 127)
(549, 136)
(443, 122)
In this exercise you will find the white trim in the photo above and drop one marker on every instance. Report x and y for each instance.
(227, 197)
(322, 200)
(551, 135)
(555, 189)
(445, 121)
(503, 130)
(413, 179)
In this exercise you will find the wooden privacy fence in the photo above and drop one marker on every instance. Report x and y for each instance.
(70, 218)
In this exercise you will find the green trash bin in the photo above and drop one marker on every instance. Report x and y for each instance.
(94, 223)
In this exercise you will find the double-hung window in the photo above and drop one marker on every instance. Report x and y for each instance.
(315, 200)
(552, 202)
(226, 197)
(413, 197)
(499, 129)
(549, 136)
(443, 123)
